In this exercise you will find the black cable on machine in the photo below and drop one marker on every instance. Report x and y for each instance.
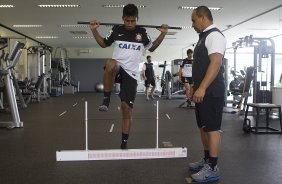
(10, 29)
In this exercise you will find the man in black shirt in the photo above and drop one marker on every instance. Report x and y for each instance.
(149, 77)
(185, 73)
(208, 88)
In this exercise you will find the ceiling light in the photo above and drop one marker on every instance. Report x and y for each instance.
(120, 6)
(77, 25)
(113, 6)
(83, 37)
(215, 8)
(6, 6)
(194, 7)
(187, 7)
(46, 37)
(27, 25)
(78, 32)
(186, 27)
(58, 6)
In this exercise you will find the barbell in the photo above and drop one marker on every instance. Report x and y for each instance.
(115, 24)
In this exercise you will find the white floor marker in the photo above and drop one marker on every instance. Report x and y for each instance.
(112, 128)
(63, 113)
(167, 116)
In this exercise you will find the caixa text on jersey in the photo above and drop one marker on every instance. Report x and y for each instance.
(129, 46)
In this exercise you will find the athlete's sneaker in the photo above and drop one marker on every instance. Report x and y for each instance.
(105, 105)
(123, 145)
(147, 98)
(103, 108)
(152, 97)
(197, 166)
(206, 174)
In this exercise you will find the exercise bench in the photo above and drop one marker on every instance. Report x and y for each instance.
(267, 129)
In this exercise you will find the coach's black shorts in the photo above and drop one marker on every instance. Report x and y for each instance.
(128, 87)
(150, 81)
(187, 80)
(209, 113)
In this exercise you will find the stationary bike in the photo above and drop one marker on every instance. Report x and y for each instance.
(166, 81)
(236, 86)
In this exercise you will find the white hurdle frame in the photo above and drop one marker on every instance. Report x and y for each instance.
(86, 126)
(119, 154)
(157, 128)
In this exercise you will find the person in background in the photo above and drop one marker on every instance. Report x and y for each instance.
(149, 77)
(185, 74)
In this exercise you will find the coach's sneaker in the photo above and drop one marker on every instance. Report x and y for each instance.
(197, 166)
(206, 174)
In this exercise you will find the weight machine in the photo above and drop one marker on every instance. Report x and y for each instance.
(263, 72)
(177, 87)
(171, 86)
(165, 82)
(39, 68)
(61, 74)
(8, 80)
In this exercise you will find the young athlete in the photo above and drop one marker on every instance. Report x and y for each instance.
(129, 41)
(185, 73)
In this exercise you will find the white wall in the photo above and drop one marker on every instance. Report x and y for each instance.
(162, 53)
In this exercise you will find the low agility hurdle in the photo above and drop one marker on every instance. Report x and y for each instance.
(119, 154)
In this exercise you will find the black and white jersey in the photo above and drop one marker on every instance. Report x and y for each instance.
(186, 66)
(128, 48)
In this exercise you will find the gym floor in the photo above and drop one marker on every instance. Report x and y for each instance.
(28, 154)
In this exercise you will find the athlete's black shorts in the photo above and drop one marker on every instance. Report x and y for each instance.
(128, 87)
(209, 113)
(150, 81)
(187, 80)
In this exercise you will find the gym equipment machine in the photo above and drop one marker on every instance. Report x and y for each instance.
(6, 72)
(264, 48)
(165, 81)
(236, 86)
(177, 87)
(39, 64)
